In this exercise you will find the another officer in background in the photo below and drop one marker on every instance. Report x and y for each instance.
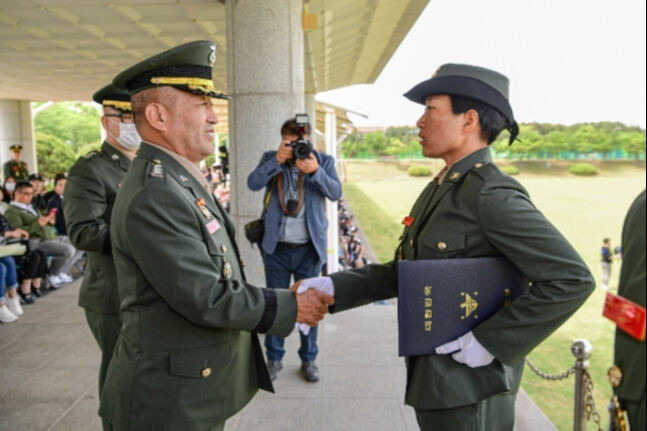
(90, 192)
(16, 167)
(629, 353)
(472, 209)
(188, 356)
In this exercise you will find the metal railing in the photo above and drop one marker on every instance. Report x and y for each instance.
(584, 404)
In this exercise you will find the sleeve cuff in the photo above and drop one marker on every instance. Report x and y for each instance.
(269, 313)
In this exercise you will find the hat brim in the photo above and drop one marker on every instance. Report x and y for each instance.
(464, 86)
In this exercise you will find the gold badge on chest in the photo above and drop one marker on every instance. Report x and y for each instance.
(226, 270)
(203, 207)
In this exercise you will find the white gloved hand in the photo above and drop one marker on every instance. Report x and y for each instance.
(467, 350)
(323, 284)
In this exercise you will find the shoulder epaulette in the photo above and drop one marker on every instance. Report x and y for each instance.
(91, 154)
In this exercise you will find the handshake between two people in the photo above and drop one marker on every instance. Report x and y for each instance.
(314, 295)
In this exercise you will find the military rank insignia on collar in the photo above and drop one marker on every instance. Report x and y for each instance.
(158, 170)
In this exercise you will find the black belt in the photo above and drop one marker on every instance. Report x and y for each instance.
(292, 245)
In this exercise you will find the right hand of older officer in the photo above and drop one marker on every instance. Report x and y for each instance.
(285, 152)
(312, 305)
(320, 284)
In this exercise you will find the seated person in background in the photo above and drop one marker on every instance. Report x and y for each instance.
(10, 308)
(38, 200)
(3, 204)
(21, 214)
(9, 187)
(29, 264)
(55, 202)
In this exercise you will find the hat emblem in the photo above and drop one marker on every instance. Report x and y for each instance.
(212, 56)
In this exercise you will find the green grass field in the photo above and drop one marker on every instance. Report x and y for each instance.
(584, 209)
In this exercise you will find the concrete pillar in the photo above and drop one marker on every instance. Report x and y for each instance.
(266, 81)
(331, 207)
(16, 127)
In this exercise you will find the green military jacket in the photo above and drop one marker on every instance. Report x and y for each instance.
(187, 357)
(90, 193)
(23, 219)
(479, 211)
(16, 169)
(630, 353)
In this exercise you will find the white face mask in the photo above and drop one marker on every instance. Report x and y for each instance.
(128, 136)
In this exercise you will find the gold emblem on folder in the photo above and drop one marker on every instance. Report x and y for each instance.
(470, 304)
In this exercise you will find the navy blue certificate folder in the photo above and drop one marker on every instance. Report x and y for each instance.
(441, 299)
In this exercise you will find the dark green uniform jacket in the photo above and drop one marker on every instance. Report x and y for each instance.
(90, 193)
(18, 170)
(186, 358)
(23, 219)
(479, 211)
(630, 353)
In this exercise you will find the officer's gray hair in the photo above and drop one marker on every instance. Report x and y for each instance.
(140, 100)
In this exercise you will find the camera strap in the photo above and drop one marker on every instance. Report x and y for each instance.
(282, 197)
(268, 195)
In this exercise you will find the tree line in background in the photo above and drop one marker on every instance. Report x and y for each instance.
(603, 140)
(64, 132)
(68, 130)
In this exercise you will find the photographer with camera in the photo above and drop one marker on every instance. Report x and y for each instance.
(297, 180)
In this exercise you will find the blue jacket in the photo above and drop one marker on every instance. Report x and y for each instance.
(324, 183)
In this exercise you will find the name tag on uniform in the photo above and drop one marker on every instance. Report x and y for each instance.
(213, 226)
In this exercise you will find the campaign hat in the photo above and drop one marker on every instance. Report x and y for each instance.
(473, 82)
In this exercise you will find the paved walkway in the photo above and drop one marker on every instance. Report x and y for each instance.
(49, 363)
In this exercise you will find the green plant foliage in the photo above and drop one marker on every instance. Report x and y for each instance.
(510, 169)
(87, 148)
(74, 123)
(585, 169)
(419, 171)
(53, 154)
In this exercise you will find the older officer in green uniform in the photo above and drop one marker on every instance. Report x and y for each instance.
(472, 209)
(16, 167)
(90, 193)
(188, 355)
(630, 353)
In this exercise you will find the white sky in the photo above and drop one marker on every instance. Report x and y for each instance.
(568, 61)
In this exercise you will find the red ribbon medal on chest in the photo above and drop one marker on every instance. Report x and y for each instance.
(408, 220)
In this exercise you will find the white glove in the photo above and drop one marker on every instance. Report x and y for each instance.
(322, 284)
(467, 350)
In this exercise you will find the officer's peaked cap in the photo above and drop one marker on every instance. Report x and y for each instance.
(114, 98)
(187, 67)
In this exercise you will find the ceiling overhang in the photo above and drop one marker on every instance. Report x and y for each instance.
(67, 49)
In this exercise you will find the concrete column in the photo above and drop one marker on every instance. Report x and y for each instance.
(16, 128)
(266, 81)
(331, 207)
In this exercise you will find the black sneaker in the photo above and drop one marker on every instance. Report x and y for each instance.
(27, 298)
(310, 371)
(273, 367)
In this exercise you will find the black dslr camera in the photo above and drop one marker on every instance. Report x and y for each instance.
(301, 147)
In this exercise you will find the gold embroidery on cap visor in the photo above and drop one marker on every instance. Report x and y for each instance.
(119, 104)
(199, 84)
